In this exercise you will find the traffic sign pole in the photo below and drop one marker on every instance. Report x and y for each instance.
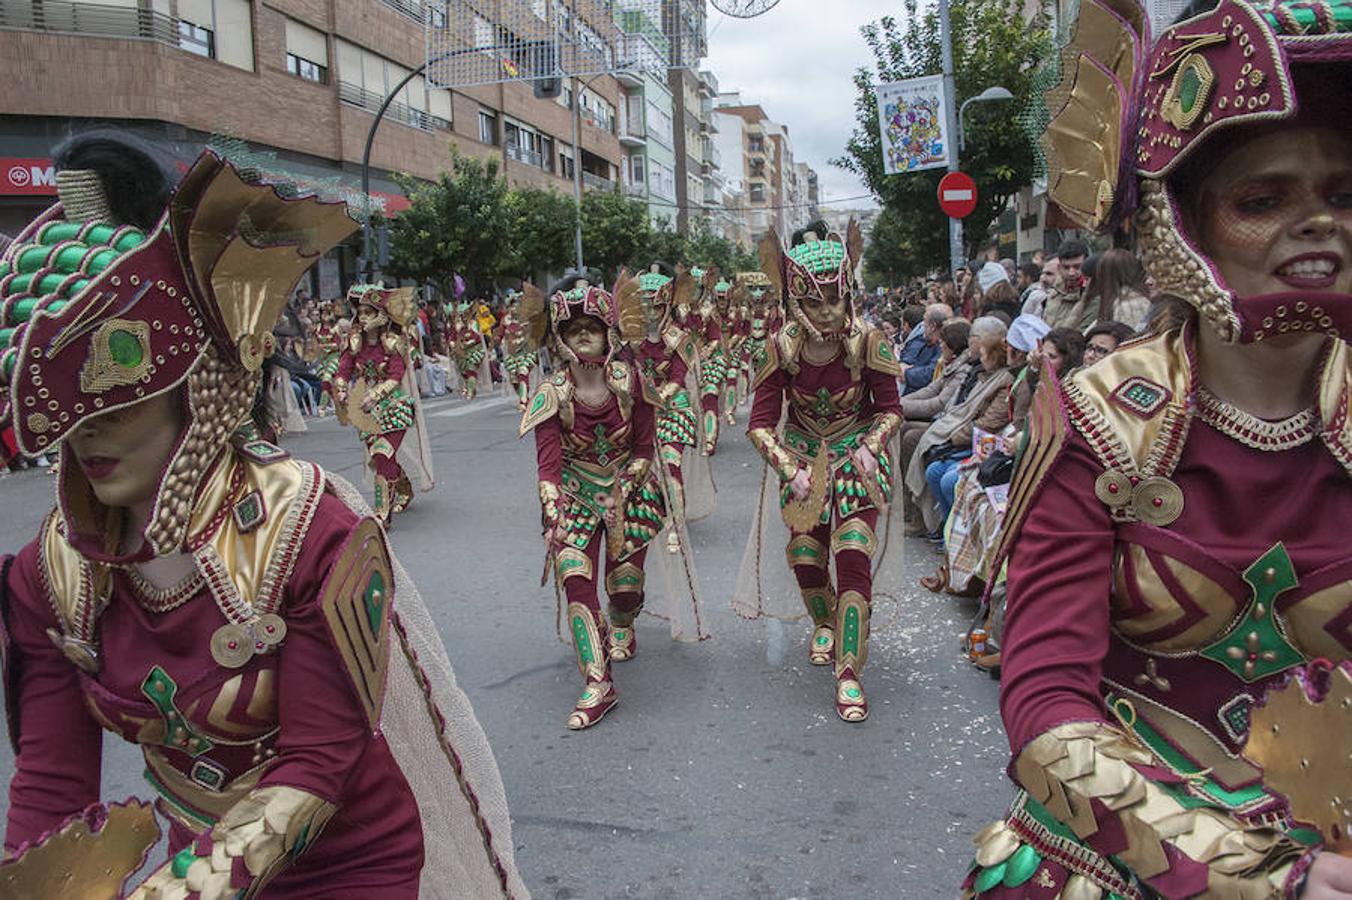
(956, 258)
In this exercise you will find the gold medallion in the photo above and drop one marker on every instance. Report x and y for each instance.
(270, 629)
(1113, 488)
(79, 652)
(231, 646)
(1157, 501)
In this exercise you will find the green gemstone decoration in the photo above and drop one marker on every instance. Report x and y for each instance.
(849, 636)
(160, 689)
(183, 860)
(585, 652)
(1189, 85)
(125, 349)
(1256, 648)
(374, 600)
(989, 878)
(1021, 866)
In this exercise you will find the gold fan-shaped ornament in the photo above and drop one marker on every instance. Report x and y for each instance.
(534, 314)
(628, 298)
(804, 515)
(90, 856)
(1303, 747)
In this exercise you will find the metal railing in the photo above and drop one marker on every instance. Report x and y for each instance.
(411, 8)
(93, 19)
(524, 154)
(370, 101)
(635, 190)
(597, 183)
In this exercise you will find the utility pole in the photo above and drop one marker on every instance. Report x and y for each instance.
(956, 256)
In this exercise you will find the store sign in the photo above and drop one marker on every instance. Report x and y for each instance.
(27, 176)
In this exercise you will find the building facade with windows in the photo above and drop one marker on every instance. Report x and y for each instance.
(297, 82)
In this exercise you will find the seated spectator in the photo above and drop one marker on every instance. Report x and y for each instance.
(919, 408)
(1120, 289)
(1067, 305)
(1103, 339)
(982, 401)
(1036, 300)
(1022, 340)
(911, 316)
(920, 354)
(997, 294)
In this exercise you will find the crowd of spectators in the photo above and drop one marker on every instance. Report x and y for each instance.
(973, 351)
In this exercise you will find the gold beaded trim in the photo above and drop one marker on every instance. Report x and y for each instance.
(162, 600)
(1251, 431)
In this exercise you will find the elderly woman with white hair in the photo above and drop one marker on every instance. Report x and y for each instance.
(981, 402)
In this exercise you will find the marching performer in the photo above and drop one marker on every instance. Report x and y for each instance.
(329, 341)
(595, 440)
(736, 326)
(666, 357)
(1176, 646)
(838, 377)
(713, 358)
(519, 358)
(234, 612)
(375, 393)
(467, 347)
(762, 319)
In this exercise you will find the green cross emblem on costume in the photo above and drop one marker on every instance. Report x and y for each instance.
(1256, 647)
(601, 444)
(823, 405)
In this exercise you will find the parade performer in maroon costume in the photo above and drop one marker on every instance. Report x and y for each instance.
(518, 357)
(374, 391)
(1176, 675)
(595, 440)
(707, 327)
(838, 377)
(232, 611)
(666, 357)
(467, 348)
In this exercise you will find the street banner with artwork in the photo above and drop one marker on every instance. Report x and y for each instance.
(911, 119)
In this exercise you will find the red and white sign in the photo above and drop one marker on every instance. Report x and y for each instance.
(957, 195)
(27, 176)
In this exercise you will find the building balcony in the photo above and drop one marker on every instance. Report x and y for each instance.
(629, 77)
(523, 155)
(94, 19)
(635, 190)
(708, 84)
(596, 182)
(634, 134)
(370, 101)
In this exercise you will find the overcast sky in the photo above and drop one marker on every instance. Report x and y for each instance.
(798, 61)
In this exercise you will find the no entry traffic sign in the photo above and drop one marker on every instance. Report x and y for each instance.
(957, 195)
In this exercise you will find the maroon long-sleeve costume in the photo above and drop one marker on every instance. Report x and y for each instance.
(1172, 558)
(848, 402)
(281, 715)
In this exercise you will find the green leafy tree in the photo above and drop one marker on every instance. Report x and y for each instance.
(541, 228)
(614, 230)
(457, 223)
(993, 45)
(664, 243)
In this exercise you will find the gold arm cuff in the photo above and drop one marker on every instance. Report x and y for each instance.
(772, 451)
(549, 503)
(1070, 767)
(883, 428)
(638, 469)
(267, 829)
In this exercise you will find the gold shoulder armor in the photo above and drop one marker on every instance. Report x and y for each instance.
(769, 362)
(878, 354)
(680, 342)
(1044, 439)
(1132, 407)
(356, 603)
(543, 405)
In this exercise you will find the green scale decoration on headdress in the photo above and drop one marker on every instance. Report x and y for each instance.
(652, 282)
(48, 271)
(819, 257)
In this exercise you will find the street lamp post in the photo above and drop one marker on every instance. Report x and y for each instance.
(953, 123)
(990, 93)
(577, 165)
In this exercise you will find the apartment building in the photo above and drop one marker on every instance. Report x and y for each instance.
(647, 126)
(297, 81)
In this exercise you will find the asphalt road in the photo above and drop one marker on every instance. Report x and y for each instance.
(719, 774)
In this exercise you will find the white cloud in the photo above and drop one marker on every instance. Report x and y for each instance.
(798, 62)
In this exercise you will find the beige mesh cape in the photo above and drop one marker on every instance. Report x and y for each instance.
(443, 752)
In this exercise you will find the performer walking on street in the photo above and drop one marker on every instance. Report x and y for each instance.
(837, 375)
(232, 611)
(1177, 661)
(595, 439)
(519, 359)
(374, 391)
(467, 347)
